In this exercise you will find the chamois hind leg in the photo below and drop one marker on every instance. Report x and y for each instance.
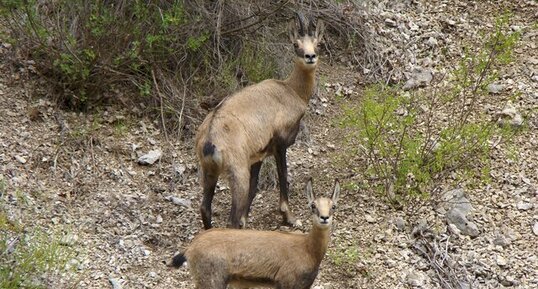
(209, 182)
(253, 186)
(239, 183)
(282, 169)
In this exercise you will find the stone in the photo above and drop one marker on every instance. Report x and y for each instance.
(524, 206)
(457, 199)
(415, 279)
(432, 42)
(399, 222)
(116, 284)
(510, 116)
(150, 158)
(501, 240)
(391, 23)
(495, 88)
(20, 159)
(535, 228)
(179, 201)
(420, 77)
(458, 218)
(69, 240)
(501, 261)
(369, 219)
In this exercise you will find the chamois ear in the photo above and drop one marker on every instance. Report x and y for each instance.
(320, 28)
(336, 192)
(309, 192)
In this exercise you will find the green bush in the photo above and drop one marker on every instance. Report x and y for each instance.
(413, 141)
(29, 257)
(170, 55)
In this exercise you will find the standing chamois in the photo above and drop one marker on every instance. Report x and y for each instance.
(254, 123)
(249, 258)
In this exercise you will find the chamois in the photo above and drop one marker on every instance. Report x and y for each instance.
(249, 258)
(258, 121)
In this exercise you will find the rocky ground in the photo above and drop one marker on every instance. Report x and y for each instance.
(78, 174)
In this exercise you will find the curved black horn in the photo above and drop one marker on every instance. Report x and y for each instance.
(301, 20)
(311, 26)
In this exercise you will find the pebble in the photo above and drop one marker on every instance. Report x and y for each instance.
(390, 22)
(150, 158)
(20, 159)
(180, 201)
(456, 217)
(524, 206)
(399, 222)
(420, 77)
(116, 284)
(535, 228)
(501, 261)
(369, 219)
(495, 88)
(415, 279)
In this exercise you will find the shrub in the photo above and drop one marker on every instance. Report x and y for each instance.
(411, 142)
(169, 55)
(28, 258)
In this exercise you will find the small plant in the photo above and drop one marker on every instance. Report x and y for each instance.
(411, 141)
(27, 258)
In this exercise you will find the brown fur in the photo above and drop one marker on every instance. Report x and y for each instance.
(259, 121)
(247, 258)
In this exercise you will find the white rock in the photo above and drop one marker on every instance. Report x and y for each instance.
(495, 88)
(20, 159)
(420, 77)
(524, 206)
(415, 279)
(150, 158)
(116, 284)
(179, 201)
(501, 261)
(390, 22)
(432, 42)
(535, 228)
(369, 219)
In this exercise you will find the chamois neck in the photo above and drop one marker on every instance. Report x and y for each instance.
(318, 241)
(302, 80)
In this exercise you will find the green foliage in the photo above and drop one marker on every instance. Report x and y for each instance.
(257, 64)
(345, 257)
(26, 256)
(410, 145)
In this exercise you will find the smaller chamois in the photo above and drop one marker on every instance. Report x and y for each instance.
(249, 258)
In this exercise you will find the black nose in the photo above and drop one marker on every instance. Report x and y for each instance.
(310, 57)
(324, 218)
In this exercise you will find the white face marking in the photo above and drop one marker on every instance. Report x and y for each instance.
(306, 48)
(322, 212)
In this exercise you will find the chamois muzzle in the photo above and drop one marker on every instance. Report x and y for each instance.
(310, 58)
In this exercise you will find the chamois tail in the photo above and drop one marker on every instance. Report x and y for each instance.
(212, 152)
(178, 260)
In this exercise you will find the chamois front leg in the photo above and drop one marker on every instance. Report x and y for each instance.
(253, 188)
(282, 169)
(240, 181)
(209, 182)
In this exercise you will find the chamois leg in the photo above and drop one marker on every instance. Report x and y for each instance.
(253, 187)
(209, 182)
(282, 169)
(240, 185)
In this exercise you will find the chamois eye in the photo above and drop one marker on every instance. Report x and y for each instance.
(334, 207)
(296, 45)
(313, 206)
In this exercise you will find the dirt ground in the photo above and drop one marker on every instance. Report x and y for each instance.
(78, 174)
